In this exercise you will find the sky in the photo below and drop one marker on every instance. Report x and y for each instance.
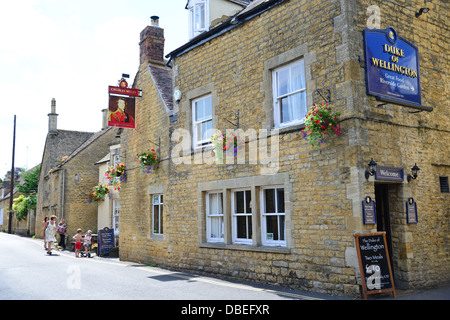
(71, 51)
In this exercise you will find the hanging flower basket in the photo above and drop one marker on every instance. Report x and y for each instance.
(117, 171)
(98, 193)
(223, 143)
(320, 124)
(148, 161)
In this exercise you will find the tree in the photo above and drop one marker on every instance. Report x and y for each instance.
(23, 204)
(30, 179)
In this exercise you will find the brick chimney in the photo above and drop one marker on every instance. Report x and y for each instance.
(53, 118)
(152, 43)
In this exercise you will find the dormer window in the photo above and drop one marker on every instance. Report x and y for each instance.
(198, 17)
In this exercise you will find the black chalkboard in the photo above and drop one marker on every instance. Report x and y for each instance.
(374, 263)
(105, 241)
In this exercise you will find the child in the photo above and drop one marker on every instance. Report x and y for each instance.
(87, 244)
(77, 239)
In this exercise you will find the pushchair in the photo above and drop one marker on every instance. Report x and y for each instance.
(85, 253)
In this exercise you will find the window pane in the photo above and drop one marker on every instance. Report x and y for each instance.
(155, 219)
(293, 107)
(203, 109)
(270, 201)
(298, 76)
(161, 219)
(244, 227)
(199, 110)
(248, 199)
(216, 227)
(208, 107)
(280, 200)
(213, 203)
(285, 110)
(275, 228)
(206, 129)
(239, 199)
(281, 221)
(199, 16)
(272, 227)
(220, 203)
(283, 82)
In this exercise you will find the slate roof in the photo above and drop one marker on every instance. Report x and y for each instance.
(84, 145)
(162, 77)
(60, 144)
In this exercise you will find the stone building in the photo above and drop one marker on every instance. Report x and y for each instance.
(288, 213)
(68, 173)
(20, 227)
(108, 210)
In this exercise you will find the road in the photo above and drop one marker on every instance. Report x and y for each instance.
(28, 273)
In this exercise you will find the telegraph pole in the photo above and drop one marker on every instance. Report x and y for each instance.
(11, 193)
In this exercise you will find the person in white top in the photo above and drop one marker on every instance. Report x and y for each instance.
(87, 243)
(50, 233)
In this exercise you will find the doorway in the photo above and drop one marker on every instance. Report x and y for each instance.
(384, 217)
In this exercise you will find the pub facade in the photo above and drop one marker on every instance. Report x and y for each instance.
(247, 185)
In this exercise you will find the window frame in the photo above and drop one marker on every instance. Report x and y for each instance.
(195, 141)
(247, 215)
(276, 103)
(194, 6)
(160, 205)
(116, 213)
(264, 215)
(210, 216)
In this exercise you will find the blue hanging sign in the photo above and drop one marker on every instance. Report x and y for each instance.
(392, 68)
(369, 211)
(105, 241)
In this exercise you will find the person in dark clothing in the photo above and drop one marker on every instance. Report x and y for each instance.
(62, 230)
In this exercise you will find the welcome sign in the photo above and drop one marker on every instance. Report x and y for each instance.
(392, 68)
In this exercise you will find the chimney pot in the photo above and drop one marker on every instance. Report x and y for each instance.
(53, 118)
(154, 20)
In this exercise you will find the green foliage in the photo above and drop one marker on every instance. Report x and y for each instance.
(22, 204)
(30, 181)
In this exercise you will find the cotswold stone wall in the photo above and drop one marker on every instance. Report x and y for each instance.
(152, 132)
(400, 137)
(323, 188)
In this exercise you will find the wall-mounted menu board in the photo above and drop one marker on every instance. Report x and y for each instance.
(374, 263)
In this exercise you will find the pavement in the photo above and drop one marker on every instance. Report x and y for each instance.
(441, 292)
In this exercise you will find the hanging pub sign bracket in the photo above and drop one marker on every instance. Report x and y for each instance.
(392, 68)
(329, 96)
(236, 116)
(123, 89)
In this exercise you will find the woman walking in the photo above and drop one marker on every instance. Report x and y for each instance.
(44, 226)
(50, 233)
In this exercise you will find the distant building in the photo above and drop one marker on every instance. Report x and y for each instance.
(68, 173)
(25, 226)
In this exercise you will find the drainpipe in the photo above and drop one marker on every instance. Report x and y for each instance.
(62, 192)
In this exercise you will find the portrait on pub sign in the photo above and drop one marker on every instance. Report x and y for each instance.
(122, 111)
